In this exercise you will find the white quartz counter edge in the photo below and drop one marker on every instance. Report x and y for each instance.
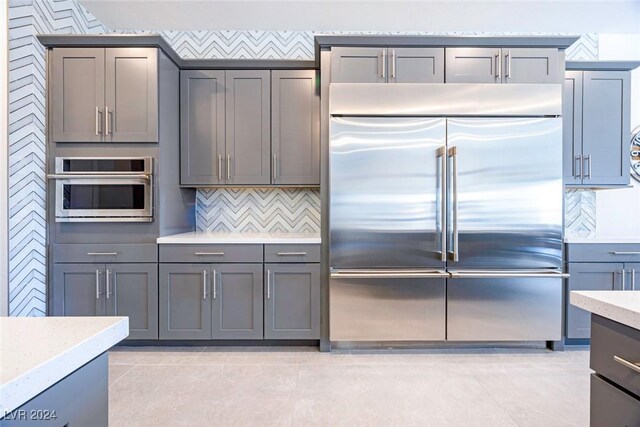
(609, 240)
(619, 306)
(30, 383)
(239, 238)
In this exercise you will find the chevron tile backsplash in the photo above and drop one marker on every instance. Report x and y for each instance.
(580, 213)
(258, 209)
(217, 209)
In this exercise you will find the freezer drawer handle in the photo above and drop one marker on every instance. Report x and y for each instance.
(364, 274)
(626, 363)
(499, 274)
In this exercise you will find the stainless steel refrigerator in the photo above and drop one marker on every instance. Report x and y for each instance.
(445, 213)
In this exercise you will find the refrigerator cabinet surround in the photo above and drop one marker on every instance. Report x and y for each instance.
(387, 305)
(445, 213)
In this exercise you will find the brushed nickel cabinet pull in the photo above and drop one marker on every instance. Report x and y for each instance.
(228, 167)
(204, 284)
(497, 64)
(275, 167)
(97, 121)
(633, 366)
(102, 253)
(219, 167)
(625, 252)
(292, 253)
(107, 115)
(384, 63)
(209, 253)
(97, 284)
(215, 286)
(393, 63)
(107, 274)
(268, 284)
(507, 59)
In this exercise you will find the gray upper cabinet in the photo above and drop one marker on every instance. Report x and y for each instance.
(77, 94)
(295, 127)
(104, 94)
(572, 128)
(78, 290)
(387, 65)
(248, 127)
(416, 65)
(473, 65)
(132, 290)
(589, 277)
(529, 65)
(596, 128)
(605, 127)
(202, 137)
(185, 302)
(237, 301)
(358, 65)
(292, 301)
(502, 65)
(131, 94)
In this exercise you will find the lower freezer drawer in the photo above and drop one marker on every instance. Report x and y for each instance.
(387, 309)
(504, 309)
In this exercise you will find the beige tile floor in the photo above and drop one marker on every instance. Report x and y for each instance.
(298, 386)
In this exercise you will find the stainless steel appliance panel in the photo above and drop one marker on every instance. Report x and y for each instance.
(505, 193)
(366, 306)
(386, 192)
(504, 308)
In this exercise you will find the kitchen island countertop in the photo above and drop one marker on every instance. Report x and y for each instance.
(37, 352)
(198, 237)
(619, 306)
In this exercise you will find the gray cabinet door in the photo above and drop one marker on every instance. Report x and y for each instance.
(589, 277)
(572, 128)
(237, 301)
(131, 94)
(202, 127)
(78, 290)
(292, 301)
(295, 127)
(185, 301)
(473, 65)
(132, 290)
(248, 127)
(529, 65)
(77, 94)
(605, 127)
(632, 276)
(416, 65)
(358, 65)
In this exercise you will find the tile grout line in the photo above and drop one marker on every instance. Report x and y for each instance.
(122, 376)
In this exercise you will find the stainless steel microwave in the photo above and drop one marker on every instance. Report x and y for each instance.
(103, 189)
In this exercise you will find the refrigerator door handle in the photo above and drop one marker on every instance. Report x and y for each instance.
(442, 237)
(382, 274)
(472, 274)
(453, 155)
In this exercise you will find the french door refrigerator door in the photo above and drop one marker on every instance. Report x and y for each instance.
(505, 193)
(387, 192)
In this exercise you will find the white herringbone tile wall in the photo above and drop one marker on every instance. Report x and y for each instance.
(278, 209)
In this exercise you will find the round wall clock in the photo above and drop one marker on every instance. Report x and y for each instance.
(635, 154)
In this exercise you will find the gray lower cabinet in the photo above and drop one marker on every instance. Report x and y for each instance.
(596, 118)
(292, 301)
(185, 306)
(611, 405)
(248, 127)
(77, 101)
(237, 301)
(588, 277)
(132, 290)
(78, 290)
(104, 94)
(502, 65)
(109, 290)
(295, 127)
(202, 114)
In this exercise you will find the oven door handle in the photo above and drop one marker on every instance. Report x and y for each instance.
(99, 176)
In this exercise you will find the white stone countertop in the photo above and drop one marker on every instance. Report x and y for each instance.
(602, 239)
(198, 237)
(620, 306)
(37, 352)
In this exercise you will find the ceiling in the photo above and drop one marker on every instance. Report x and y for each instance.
(568, 16)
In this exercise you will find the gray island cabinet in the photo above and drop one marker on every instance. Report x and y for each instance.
(614, 357)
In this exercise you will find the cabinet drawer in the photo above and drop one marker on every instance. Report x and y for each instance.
(97, 253)
(603, 252)
(611, 406)
(210, 253)
(292, 253)
(611, 339)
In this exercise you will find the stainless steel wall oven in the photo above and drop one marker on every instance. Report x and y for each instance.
(103, 189)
